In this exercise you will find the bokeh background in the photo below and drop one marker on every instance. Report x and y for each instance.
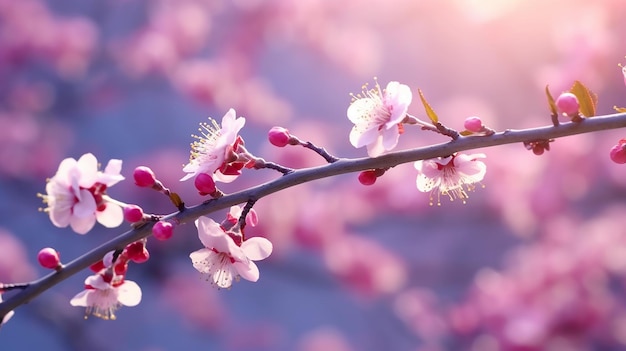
(536, 260)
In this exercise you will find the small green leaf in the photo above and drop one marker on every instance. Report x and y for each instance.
(619, 109)
(551, 102)
(429, 110)
(466, 133)
(177, 201)
(587, 99)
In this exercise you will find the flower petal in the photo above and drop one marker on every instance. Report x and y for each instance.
(80, 299)
(257, 248)
(88, 166)
(112, 216)
(82, 225)
(129, 293)
(248, 271)
(397, 98)
(200, 260)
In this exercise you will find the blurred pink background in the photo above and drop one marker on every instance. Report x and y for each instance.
(536, 260)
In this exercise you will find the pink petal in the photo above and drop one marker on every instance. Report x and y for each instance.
(360, 137)
(86, 207)
(65, 170)
(82, 225)
(97, 282)
(88, 166)
(257, 248)
(398, 97)
(111, 174)
(129, 293)
(111, 217)
(390, 137)
(360, 111)
(248, 271)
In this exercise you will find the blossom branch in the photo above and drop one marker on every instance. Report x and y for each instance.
(341, 166)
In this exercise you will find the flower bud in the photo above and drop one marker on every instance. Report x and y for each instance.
(162, 230)
(618, 153)
(473, 124)
(368, 177)
(144, 177)
(279, 136)
(133, 213)
(205, 184)
(49, 258)
(567, 103)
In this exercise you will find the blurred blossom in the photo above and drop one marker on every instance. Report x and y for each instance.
(322, 339)
(365, 267)
(15, 265)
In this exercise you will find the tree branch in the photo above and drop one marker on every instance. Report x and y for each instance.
(341, 166)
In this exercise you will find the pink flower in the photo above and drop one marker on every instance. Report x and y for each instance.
(7, 316)
(452, 176)
(76, 194)
(377, 116)
(222, 259)
(102, 298)
(209, 151)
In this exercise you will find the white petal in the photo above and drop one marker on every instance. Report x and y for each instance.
(111, 174)
(86, 206)
(248, 271)
(81, 298)
(200, 259)
(425, 184)
(376, 148)
(129, 293)
(390, 138)
(112, 216)
(360, 111)
(88, 166)
(257, 248)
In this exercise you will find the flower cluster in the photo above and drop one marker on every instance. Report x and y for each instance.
(76, 194)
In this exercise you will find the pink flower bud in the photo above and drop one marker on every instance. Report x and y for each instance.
(618, 153)
(137, 252)
(49, 258)
(144, 177)
(162, 230)
(368, 177)
(133, 213)
(279, 136)
(473, 124)
(568, 104)
(205, 184)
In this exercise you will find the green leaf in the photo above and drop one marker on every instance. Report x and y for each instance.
(466, 133)
(619, 109)
(587, 99)
(429, 110)
(551, 102)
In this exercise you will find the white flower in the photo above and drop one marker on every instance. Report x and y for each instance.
(452, 176)
(377, 115)
(102, 299)
(74, 195)
(8, 315)
(209, 151)
(222, 260)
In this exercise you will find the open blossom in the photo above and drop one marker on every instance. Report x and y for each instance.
(224, 260)
(74, 195)
(209, 152)
(377, 116)
(102, 298)
(452, 176)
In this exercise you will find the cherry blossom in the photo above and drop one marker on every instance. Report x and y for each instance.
(209, 152)
(102, 298)
(75, 194)
(377, 116)
(452, 176)
(223, 259)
